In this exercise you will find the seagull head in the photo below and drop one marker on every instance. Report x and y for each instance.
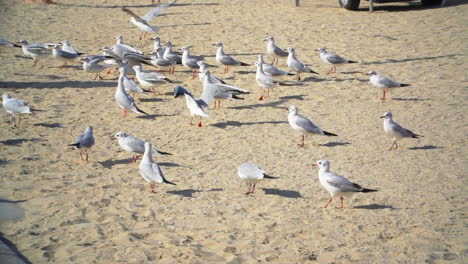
(323, 165)
(89, 129)
(169, 44)
(322, 49)
(148, 146)
(23, 42)
(269, 38)
(65, 43)
(137, 68)
(387, 115)
(293, 109)
(119, 135)
(372, 73)
(218, 44)
(291, 50)
(6, 97)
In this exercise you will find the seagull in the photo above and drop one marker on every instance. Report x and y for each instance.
(92, 64)
(271, 70)
(157, 45)
(150, 170)
(384, 83)
(64, 56)
(295, 65)
(252, 174)
(394, 130)
(171, 55)
(333, 59)
(125, 101)
(304, 125)
(119, 47)
(194, 105)
(225, 59)
(214, 89)
(273, 50)
(15, 106)
(264, 81)
(190, 61)
(202, 73)
(7, 43)
(337, 185)
(84, 142)
(142, 22)
(35, 51)
(68, 48)
(130, 86)
(149, 79)
(164, 64)
(134, 145)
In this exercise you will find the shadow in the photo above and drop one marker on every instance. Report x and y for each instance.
(375, 207)
(4, 162)
(354, 72)
(349, 79)
(426, 147)
(282, 193)
(14, 250)
(184, 25)
(152, 99)
(168, 164)
(10, 201)
(185, 193)
(18, 141)
(313, 79)
(246, 72)
(224, 125)
(216, 190)
(40, 76)
(334, 144)
(411, 59)
(411, 99)
(275, 104)
(136, 6)
(151, 116)
(412, 6)
(66, 84)
(108, 164)
(53, 125)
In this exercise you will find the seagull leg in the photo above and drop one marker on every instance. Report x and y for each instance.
(329, 201)
(249, 190)
(330, 71)
(144, 36)
(342, 200)
(86, 152)
(19, 120)
(99, 76)
(383, 95)
(34, 63)
(81, 154)
(391, 147)
(334, 69)
(13, 119)
(302, 142)
(200, 122)
(191, 120)
(152, 184)
(298, 76)
(253, 188)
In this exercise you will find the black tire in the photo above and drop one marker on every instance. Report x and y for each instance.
(431, 2)
(352, 4)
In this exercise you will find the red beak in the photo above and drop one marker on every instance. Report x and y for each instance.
(315, 164)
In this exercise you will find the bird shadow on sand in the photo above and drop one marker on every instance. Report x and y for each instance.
(353, 72)
(349, 79)
(314, 79)
(108, 164)
(4, 162)
(274, 104)
(168, 164)
(411, 99)
(426, 147)
(11, 201)
(152, 116)
(151, 100)
(188, 193)
(375, 207)
(52, 125)
(411, 59)
(224, 125)
(65, 84)
(416, 6)
(19, 141)
(299, 97)
(17, 257)
(41, 76)
(282, 193)
(335, 144)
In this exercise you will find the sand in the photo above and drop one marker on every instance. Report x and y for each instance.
(103, 211)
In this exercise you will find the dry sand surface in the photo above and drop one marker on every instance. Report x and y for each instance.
(103, 211)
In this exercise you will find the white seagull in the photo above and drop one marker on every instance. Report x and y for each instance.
(125, 101)
(92, 64)
(271, 70)
(134, 145)
(190, 61)
(217, 90)
(195, 106)
(150, 170)
(35, 51)
(383, 83)
(64, 56)
(225, 59)
(84, 142)
(337, 185)
(15, 106)
(304, 125)
(149, 79)
(68, 48)
(264, 81)
(394, 130)
(333, 59)
(252, 174)
(297, 66)
(273, 50)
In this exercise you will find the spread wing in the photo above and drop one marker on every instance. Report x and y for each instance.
(153, 13)
(135, 16)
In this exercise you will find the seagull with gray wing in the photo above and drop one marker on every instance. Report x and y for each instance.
(395, 131)
(84, 142)
(333, 59)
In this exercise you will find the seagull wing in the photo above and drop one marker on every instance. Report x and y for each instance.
(153, 13)
(135, 16)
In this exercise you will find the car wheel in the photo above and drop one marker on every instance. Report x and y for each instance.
(429, 2)
(352, 4)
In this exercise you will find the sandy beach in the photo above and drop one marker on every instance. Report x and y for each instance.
(103, 211)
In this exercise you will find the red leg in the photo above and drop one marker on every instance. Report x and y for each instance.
(152, 184)
(302, 142)
(329, 202)
(383, 95)
(86, 152)
(81, 154)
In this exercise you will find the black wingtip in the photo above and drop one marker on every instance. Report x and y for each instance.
(368, 190)
(164, 153)
(237, 97)
(76, 145)
(404, 84)
(244, 64)
(351, 61)
(141, 111)
(329, 134)
(269, 177)
(168, 80)
(291, 74)
(168, 182)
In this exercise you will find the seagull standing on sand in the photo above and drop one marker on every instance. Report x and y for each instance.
(383, 83)
(194, 105)
(252, 174)
(394, 130)
(271, 70)
(134, 145)
(142, 23)
(304, 125)
(35, 51)
(125, 101)
(84, 142)
(15, 106)
(150, 170)
(190, 61)
(264, 81)
(214, 89)
(64, 56)
(297, 66)
(149, 79)
(333, 59)
(92, 64)
(162, 63)
(171, 55)
(337, 185)
(274, 51)
(119, 47)
(225, 59)
(68, 48)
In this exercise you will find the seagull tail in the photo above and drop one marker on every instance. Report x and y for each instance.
(364, 190)
(244, 64)
(237, 97)
(167, 182)
(329, 134)
(416, 136)
(76, 145)
(290, 74)
(404, 84)
(269, 177)
(164, 153)
(168, 80)
(140, 111)
(351, 61)
(311, 71)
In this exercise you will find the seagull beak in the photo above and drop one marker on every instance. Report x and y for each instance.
(382, 117)
(112, 138)
(315, 165)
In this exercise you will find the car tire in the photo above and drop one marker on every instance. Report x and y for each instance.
(427, 2)
(352, 4)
